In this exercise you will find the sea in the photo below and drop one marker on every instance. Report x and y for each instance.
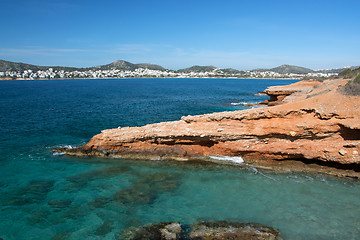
(51, 196)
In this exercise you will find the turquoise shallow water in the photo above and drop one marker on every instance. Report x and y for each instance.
(44, 195)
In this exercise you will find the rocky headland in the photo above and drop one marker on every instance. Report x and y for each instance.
(306, 126)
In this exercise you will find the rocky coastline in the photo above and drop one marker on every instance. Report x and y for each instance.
(307, 126)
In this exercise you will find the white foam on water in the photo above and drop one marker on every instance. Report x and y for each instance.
(61, 146)
(239, 103)
(69, 146)
(58, 153)
(243, 103)
(226, 158)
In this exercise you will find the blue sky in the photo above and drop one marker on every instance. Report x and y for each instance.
(241, 34)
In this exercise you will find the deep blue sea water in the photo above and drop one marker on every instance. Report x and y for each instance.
(45, 196)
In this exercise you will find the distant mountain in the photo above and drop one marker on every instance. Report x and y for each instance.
(20, 67)
(119, 65)
(124, 65)
(128, 66)
(151, 66)
(286, 69)
(232, 71)
(197, 69)
(336, 70)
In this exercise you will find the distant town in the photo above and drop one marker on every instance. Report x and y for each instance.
(147, 73)
(123, 69)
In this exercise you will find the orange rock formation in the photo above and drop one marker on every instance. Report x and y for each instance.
(308, 122)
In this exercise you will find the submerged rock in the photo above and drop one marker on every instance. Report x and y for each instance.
(74, 212)
(134, 196)
(99, 202)
(61, 236)
(147, 188)
(59, 204)
(38, 217)
(35, 191)
(82, 179)
(104, 228)
(159, 182)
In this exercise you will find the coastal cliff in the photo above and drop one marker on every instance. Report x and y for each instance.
(308, 125)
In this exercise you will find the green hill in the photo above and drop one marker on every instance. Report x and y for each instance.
(286, 69)
(119, 65)
(232, 71)
(197, 69)
(151, 66)
(128, 66)
(20, 67)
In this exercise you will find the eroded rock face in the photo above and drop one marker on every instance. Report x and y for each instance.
(314, 122)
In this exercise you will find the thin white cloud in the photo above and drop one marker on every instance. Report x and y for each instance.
(37, 51)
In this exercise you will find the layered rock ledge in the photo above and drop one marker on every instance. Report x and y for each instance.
(308, 126)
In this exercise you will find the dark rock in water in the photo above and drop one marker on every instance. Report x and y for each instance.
(161, 182)
(61, 236)
(99, 202)
(38, 217)
(147, 188)
(221, 230)
(134, 196)
(75, 213)
(104, 228)
(59, 203)
(41, 187)
(160, 231)
(19, 201)
(82, 179)
(35, 191)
